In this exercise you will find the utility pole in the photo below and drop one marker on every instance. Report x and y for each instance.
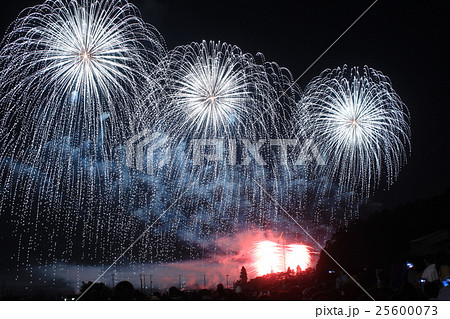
(151, 284)
(145, 286)
(227, 281)
(179, 281)
(140, 277)
(113, 277)
(204, 281)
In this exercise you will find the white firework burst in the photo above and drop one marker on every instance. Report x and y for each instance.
(211, 93)
(215, 90)
(71, 81)
(67, 62)
(359, 124)
(217, 93)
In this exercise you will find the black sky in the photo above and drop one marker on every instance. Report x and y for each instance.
(406, 40)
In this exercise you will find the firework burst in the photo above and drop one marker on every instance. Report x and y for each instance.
(216, 90)
(71, 81)
(230, 100)
(359, 124)
(66, 63)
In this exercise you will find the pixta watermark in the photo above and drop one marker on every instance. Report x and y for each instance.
(149, 150)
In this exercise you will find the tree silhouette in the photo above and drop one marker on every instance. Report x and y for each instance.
(99, 291)
(243, 275)
(298, 269)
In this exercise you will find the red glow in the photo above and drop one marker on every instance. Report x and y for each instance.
(274, 257)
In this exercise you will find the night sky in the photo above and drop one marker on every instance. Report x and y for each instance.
(403, 39)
